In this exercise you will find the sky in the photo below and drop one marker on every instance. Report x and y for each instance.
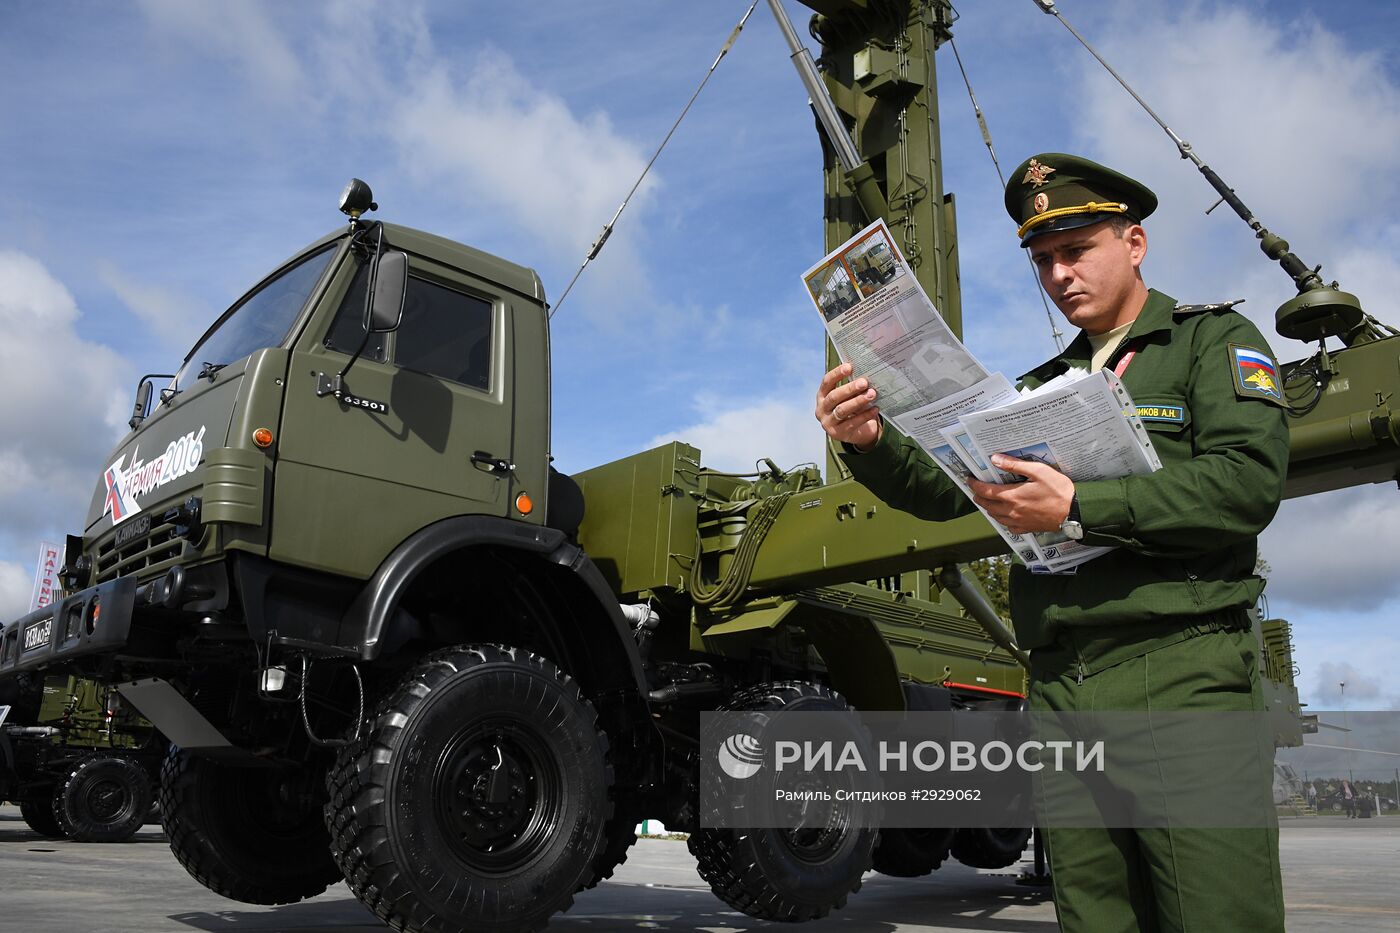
(161, 156)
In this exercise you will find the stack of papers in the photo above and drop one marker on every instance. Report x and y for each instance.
(935, 391)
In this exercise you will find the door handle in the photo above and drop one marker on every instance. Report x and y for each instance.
(492, 463)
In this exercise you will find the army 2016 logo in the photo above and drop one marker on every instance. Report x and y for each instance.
(125, 486)
(1255, 373)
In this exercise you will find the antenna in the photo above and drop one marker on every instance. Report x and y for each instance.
(1320, 310)
(607, 230)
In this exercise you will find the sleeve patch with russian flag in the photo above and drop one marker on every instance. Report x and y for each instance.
(1255, 374)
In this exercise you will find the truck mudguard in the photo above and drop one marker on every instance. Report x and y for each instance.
(366, 622)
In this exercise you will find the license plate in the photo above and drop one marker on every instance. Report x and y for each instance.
(37, 636)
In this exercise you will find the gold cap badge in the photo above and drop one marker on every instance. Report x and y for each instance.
(1037, 173)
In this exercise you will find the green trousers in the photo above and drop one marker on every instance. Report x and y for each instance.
(1108, 880)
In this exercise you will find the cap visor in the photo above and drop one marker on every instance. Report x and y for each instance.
(1070, 223)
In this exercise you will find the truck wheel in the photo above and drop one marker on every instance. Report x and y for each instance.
(38, 814)
(619, 835)
(990, 848)
(476, 795)
(250, 834)
(911, 853)
(104, 799)
(783, 874)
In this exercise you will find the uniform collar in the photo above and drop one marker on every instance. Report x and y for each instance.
(1156, 315)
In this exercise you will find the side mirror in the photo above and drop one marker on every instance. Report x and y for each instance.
(383, 311)
(144, 388)
(390, 288)
(143, 404)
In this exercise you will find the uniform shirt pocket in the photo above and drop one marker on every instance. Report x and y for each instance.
(1167, 419)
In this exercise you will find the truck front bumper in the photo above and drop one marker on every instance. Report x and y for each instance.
(93, 621)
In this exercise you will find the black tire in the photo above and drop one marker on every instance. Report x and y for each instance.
(990, 848)
(38, 814)
(475, 797)
(105, 798)
(250, 834)
(777, 874)
(619, 835)
(911, 853)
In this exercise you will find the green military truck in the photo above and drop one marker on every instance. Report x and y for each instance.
(79, 763)
(390, 644)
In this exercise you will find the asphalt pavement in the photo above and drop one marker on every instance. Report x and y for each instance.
(1338, 874)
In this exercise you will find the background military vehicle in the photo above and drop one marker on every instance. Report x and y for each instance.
(79, 762)
(392, 646)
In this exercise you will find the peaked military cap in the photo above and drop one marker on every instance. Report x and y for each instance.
(1054, 191)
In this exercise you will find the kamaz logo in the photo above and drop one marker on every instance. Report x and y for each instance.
(135, 530)
(37, 636)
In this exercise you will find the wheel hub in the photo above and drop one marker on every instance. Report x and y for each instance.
(107, 799)
(817, 830)
(494, 789)
(495, 797)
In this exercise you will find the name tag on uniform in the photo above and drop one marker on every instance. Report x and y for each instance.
(1170, 414)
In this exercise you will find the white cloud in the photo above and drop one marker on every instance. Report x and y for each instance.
(174, 318)
(469, 125)
(1335, 550)
(242, 34)
(16, 588)
(1229, 81)
(732, 439)
(517, 161)
(65, 404)
(1335, 644)
(761, 404)
(493, 137)
(521, 168)
(1364, 689)
(1243, 87)
(1369, 270)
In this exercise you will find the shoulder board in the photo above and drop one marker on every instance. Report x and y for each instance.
(1216, 308)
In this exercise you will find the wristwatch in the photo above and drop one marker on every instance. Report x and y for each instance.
(1070, 527)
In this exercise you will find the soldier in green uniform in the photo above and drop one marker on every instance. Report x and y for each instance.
(1159, 622)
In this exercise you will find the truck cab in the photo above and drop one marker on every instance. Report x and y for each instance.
(250, 476)
(428, 397)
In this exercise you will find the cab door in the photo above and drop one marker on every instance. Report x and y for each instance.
(356, 476)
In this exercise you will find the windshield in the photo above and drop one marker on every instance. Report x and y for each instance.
(262, 320)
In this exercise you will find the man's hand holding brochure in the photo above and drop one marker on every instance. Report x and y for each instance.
(929, 386)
